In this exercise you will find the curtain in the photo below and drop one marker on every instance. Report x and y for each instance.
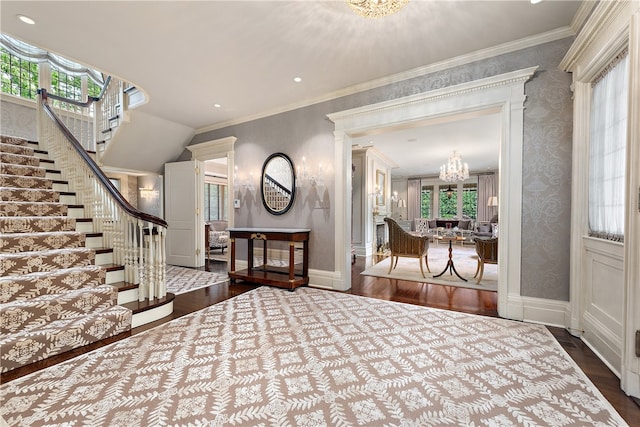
(34, 54)
(486, 188)
(607, 147)
(413, 199)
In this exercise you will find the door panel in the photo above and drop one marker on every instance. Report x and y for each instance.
(183, 203)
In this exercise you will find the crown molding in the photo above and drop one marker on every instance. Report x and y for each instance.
(596, 28)
(501, 49)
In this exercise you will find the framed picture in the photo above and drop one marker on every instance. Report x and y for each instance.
(381, 188)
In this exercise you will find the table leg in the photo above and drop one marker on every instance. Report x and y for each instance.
(450, 266)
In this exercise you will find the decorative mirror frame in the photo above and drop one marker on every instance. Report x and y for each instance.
(277, 205)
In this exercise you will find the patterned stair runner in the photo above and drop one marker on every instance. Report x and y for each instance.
(53, 298)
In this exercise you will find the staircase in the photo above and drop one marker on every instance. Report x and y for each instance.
(59, 288)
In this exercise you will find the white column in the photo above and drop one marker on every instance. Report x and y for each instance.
(579, 203)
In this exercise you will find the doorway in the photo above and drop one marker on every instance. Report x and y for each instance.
(506, 94)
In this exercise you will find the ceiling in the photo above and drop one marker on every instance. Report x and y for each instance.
(189, 55)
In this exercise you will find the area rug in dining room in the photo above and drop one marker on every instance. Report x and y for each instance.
(180, 279)
(465, 261)
(311, 358)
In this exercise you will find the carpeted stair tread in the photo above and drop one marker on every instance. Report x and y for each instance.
(62, 335)
(15, 140)
(32, 285)
(37, 224)
(13, 194)
(16, 149)
(19, 159)
(53, 298)
(18, 209)
(22, 170)
(49, 260)
(28, 182)
(29, 242)
(21, 315)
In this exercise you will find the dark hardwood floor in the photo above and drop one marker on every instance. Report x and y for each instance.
(430, 295)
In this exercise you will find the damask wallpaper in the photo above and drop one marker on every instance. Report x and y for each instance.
(18, 120)
(546, 171)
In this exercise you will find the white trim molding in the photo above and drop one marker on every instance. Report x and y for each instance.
(503, 93)
(606, 314)
(215, 149)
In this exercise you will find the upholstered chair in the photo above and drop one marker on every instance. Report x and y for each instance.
(405, 244)
(487, 250)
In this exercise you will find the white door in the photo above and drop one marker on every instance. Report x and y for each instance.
(183, 204)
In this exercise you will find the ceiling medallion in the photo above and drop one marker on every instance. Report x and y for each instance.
(376, 8)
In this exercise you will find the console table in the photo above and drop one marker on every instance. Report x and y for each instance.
(284, 277)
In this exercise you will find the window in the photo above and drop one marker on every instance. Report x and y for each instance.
(93, 88)
(470, 200)
(65, 85)
(21, 72)
(19, 77)
(215, 196)
(448, 202)
(607, 147)
(426, 201)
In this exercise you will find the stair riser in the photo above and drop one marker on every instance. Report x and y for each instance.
(104, 258)
(28, 347)
(37, 312)
(115, 277)
(76, 212)
(149, 316)
(60, 186)
(68, 199)
(53, 175)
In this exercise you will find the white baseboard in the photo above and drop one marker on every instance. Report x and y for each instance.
(604, 343)
(545, 311)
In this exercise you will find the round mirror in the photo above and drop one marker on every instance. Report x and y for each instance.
(278, 183)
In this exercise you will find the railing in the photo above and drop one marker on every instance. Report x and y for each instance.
(137, 238)
(96, 120)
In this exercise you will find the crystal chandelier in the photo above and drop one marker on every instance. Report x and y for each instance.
(376, 8)
(454, 170)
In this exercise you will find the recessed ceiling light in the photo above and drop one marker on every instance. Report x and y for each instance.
(217, 105)
(535, 1)
(26, 19)
(297, 79)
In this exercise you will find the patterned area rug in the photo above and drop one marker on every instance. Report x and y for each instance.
(315, 358)
(181, 279)
(465, 261)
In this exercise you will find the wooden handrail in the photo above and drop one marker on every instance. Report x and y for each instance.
(99, 174)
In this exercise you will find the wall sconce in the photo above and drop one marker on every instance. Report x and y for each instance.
(148, 193)
(394, 197)
(249, 184)
(377, 191)
(303, 175)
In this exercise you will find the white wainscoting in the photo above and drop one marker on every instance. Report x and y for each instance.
(603, 310)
